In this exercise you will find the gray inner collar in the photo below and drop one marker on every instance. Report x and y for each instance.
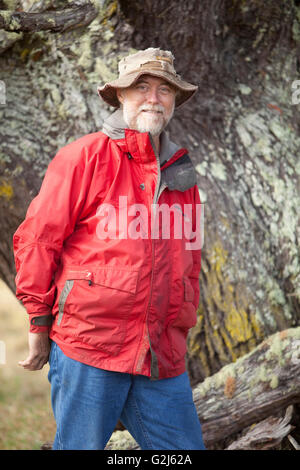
(178, 176)
(114, 127)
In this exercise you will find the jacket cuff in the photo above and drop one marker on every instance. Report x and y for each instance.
(40, 323)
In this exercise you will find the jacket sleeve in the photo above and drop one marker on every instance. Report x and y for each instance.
(50, 219)
(198, 221)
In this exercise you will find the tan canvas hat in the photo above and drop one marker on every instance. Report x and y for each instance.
(151, 61)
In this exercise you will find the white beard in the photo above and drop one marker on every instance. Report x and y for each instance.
(143, 120)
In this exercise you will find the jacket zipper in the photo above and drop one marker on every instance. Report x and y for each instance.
(154, 373)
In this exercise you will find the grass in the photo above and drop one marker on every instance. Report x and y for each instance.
(26, 419)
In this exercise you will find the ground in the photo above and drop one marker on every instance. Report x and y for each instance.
(26, 420)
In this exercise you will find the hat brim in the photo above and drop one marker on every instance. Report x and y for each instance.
(108, 92)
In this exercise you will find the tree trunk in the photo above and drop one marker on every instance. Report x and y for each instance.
(256, 386)
(241, 128)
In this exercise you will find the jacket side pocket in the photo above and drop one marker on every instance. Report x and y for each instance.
(62, 299)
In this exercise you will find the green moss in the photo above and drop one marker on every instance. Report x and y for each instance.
(4, 159)
(274, 382)
(12, 23)
(263, 374)
(218, 170)
(6, 15)
(296, 28)
(120, 440)
(276, 349)
(244, 89)
(102, 71)
(244, 135)
(11, 4)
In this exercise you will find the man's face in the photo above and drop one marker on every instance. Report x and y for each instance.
(148, 105)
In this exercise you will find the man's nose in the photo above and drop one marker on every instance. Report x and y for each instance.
(153, 96)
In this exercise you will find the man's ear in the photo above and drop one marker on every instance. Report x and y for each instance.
(120, 95)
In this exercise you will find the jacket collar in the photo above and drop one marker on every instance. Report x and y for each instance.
(177, 173)
(114, 126)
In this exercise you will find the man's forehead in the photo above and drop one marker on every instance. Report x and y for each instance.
(150, 78)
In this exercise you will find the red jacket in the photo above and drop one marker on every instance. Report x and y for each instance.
(125, 302)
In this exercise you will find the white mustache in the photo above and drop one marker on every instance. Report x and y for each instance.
(156, 108)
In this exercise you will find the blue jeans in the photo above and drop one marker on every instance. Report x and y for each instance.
(87, 403)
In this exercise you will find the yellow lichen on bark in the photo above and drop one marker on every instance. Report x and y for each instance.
(232, 303)
(230, 328)
(6, 190)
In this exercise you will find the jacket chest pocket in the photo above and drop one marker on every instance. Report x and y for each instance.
(94, 306)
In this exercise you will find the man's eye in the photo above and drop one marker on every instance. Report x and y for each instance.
(141, 87)
(165, 90)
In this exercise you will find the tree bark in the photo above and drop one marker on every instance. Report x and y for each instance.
(54, 21)
(265, 435)
(242, 130)
(258, 385)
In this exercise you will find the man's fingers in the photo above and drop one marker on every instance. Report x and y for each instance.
(34, 363)
(39, 349)
(33, 366)
(26, 362)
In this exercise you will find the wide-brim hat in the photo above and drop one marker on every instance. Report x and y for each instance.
(152, 61)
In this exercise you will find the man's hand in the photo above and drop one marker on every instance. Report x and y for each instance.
(39, 349)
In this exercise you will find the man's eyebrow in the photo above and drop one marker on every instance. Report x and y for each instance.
(144, 80)
(141, 80)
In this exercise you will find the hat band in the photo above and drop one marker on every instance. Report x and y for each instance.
(153, 65)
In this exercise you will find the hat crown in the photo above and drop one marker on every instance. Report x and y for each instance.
(151, 58)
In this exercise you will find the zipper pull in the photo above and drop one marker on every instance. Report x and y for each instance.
(89, 276)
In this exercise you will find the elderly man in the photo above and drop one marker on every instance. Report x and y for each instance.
(108, 262)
